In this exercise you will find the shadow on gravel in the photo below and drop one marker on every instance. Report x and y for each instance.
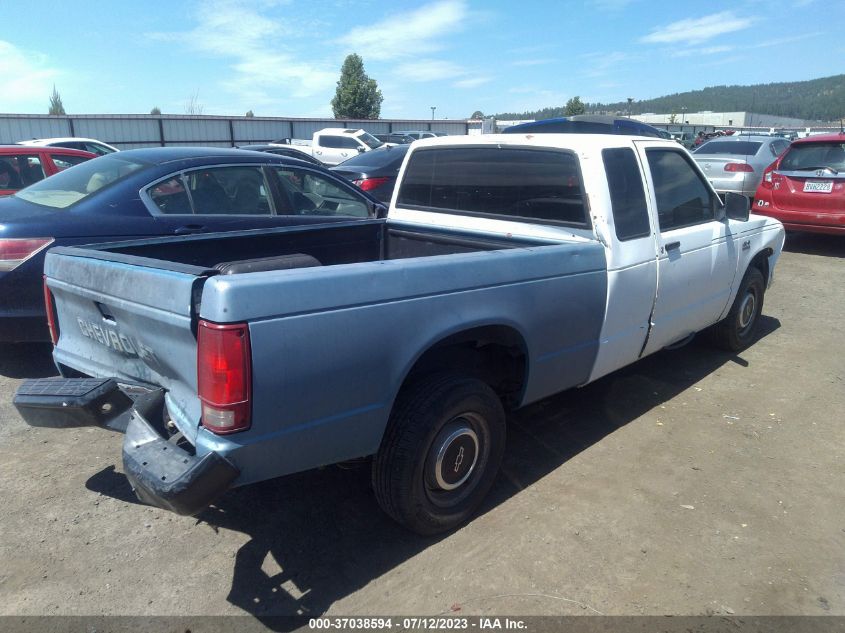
(318, 536)
(815, 244)
(27, 360)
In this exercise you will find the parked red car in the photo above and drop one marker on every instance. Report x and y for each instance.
(805, 187)
(22, 165)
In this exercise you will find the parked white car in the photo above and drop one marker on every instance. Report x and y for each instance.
(74, 142)
(333, 145)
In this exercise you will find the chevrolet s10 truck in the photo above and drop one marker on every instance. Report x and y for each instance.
(507, 268)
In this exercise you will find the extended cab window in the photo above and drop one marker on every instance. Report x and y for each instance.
(682, 197)
(625, 183)
(531, 184)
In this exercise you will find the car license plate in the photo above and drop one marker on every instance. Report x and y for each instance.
(818, 187)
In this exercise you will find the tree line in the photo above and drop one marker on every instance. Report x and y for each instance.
(813, 100)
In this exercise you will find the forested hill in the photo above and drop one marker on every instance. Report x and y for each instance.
(817, 99)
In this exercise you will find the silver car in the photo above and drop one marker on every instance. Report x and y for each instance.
(736, 163)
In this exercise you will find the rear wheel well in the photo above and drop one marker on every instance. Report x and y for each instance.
(494, 354)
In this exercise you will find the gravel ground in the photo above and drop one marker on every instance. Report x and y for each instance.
(694, 482)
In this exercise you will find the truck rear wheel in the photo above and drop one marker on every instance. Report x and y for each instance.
(440, 453)
(739, 329)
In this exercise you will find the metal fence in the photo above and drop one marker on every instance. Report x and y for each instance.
(127, 131)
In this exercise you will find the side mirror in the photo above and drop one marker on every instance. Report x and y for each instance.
(737, 206)
(380, 211)
(361, 150)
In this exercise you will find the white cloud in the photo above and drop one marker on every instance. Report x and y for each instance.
(26, 76)
(708, 50)
(601, 64)
(472, 82)
(410, 34)
(522, 63)
(696, 30)
(261, 68)
(430, 70)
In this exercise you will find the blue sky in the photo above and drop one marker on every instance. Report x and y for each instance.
(283, 57)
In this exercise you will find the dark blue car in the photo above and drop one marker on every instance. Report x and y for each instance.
(585, 124)
(156, 191)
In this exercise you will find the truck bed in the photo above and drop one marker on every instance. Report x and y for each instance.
(331, 343)
(330, 244)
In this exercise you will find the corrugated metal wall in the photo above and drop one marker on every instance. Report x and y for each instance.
(128, 131)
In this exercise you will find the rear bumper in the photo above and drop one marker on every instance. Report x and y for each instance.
(832, 223)
(161, 472)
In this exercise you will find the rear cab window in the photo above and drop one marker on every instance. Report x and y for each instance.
(512, 183)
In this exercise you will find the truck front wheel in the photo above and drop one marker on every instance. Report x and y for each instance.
(440, 453)
(739, 329)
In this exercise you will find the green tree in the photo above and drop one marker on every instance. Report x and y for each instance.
(156, 110)
(249, 114)
(574, 106)
(673, 118)
(357, 96)
(478, 114)
(56, 106)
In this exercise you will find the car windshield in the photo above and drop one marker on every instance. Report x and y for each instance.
(77, 183)
(806, 156)
(370, 141)
(732, 148)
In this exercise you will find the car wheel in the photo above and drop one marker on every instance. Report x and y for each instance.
(739, 329)
(440, 453)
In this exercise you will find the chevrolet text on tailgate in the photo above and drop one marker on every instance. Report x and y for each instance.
(508, 268)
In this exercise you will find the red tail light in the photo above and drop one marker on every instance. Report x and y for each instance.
(368, 184)
(14, 252)
(738, 167)
(52, 324)
(224, 382)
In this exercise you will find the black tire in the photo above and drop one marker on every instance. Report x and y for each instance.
(739, 329)
(441, 420)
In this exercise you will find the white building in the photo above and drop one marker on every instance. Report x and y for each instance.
(722, 119)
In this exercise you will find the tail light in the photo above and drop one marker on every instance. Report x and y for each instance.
(769, 176)
(224, 382)
(52, 323)
(368, 184)
(15, 251)
(738, 167)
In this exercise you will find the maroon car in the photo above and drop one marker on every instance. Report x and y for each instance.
(805, 187)
(22, 165)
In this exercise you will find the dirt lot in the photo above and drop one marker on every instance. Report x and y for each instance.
(693, 482)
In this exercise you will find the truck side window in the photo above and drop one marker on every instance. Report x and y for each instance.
(500, 182)
(682, 197)
(625, 183)
(337, 142)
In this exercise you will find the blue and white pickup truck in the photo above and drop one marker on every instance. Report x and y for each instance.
(507, 268)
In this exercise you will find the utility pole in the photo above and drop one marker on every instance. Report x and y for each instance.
(630, 101)
(433, 108)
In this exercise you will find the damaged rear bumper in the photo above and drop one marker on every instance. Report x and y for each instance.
(161, 472)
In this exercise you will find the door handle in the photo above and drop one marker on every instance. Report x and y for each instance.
(673, 246)
(189, 228)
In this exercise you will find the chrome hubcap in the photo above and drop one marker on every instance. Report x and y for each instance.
(746, 311)
(454, 455)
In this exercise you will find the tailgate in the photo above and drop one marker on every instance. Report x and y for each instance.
(129, 321)
(815, 191)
